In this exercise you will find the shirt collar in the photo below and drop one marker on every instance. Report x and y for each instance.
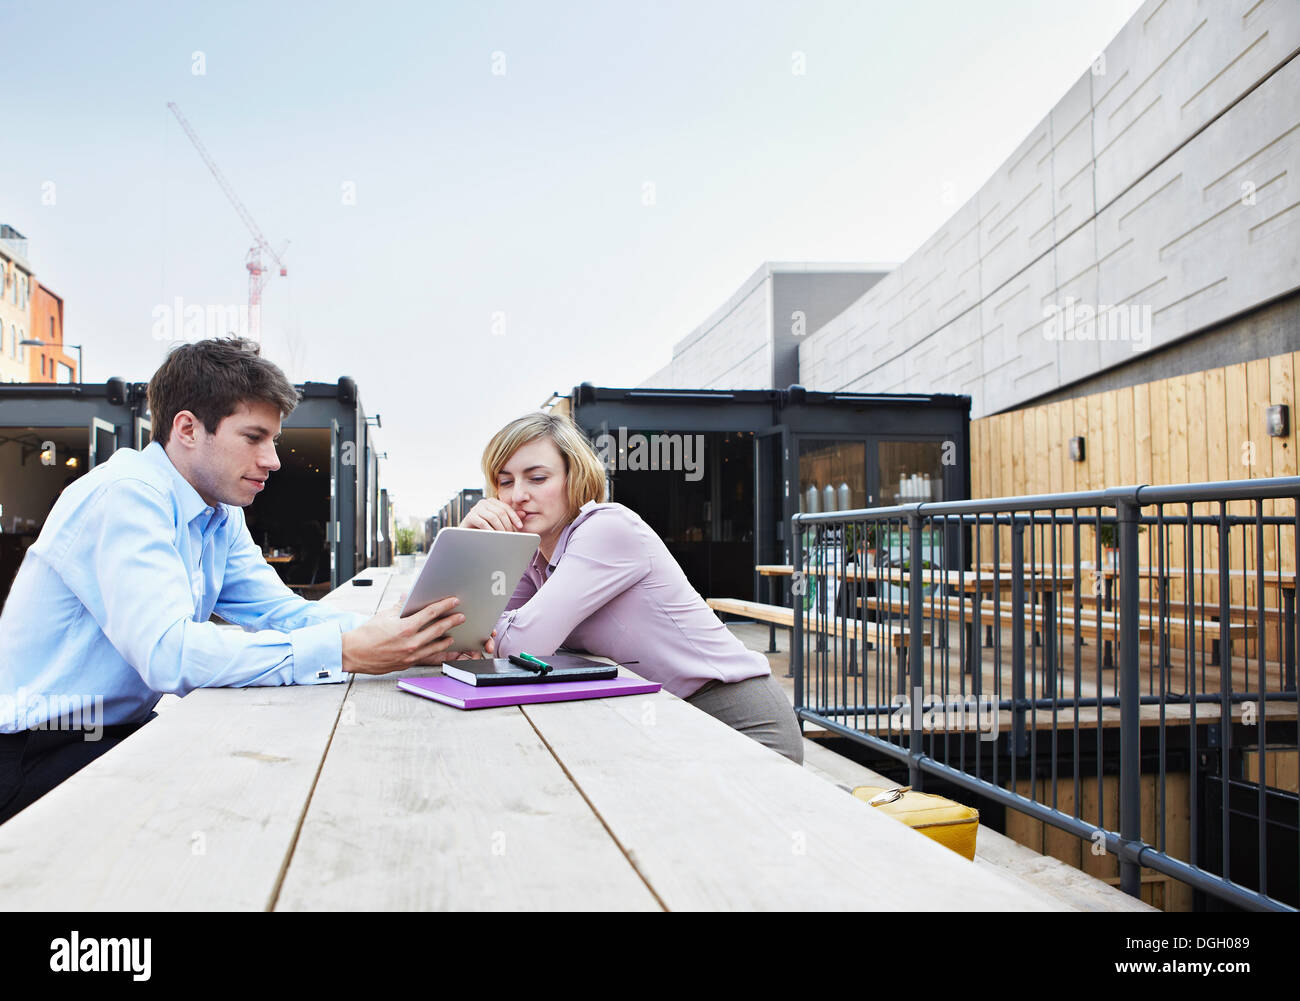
(539, 561)
(192, 506)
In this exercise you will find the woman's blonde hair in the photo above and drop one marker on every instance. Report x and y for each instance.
(583, 468)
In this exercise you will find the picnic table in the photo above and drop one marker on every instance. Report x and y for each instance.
(360, 796)
(1283, 580)
(1041, 587)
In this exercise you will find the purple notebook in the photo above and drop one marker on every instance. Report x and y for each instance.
(463, 696)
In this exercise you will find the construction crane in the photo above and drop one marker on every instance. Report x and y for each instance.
(258, 275)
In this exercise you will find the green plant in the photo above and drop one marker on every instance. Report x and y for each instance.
(1108, 536)
(860, 538)
(405, 541)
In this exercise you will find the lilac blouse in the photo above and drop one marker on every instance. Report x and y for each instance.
(613, 590)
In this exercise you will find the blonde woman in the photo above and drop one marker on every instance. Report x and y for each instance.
(602, 581)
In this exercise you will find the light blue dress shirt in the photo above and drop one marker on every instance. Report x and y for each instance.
(113, 599)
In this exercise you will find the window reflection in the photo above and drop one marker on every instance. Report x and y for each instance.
(832, 475)
(910, 471)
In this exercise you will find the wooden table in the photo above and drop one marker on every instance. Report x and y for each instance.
(1283, 580)
(1039, 587)
(360, 796)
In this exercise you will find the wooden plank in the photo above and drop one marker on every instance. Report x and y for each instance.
(1019, 474)
(980, 482)
(1204, 539)
(1022, 828)
(1178, 896)
(1176, 394)
(1055, 450)
(1105, 865)
(714, 820)
(421, 806)
(1125, 432)
(1042, 452)
(1197, 442)
(1242, 456)
(1281, 458)
(1282, 390)
(1081, 430)
(1179, 439)
(1158, 410)
(196, 811)
(1112, 471)
(1143, 434)
(1225, 436)
(1282, 380)
(1288, 769)
(1058, 843)
(1255, 401)
(1097, 434)
(1067, 883)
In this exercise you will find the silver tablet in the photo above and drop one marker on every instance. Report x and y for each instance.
(481, 568)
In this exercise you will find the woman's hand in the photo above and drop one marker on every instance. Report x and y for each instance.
(495, 514)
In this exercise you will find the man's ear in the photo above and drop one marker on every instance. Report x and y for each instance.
(185, 428)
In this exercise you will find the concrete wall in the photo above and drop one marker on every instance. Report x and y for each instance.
(804, 302)
(752, 340)
(1161, 180)
(732, 349)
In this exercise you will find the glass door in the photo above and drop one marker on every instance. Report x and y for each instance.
(910, 471)
(832, 475)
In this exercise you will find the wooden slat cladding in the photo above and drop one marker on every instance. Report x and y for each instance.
(1189, 428)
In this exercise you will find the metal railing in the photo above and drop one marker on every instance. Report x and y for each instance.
(1054, 652)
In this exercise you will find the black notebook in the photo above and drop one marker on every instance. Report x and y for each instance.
(486, 671)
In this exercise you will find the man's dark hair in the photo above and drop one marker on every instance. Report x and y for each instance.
(212, 379)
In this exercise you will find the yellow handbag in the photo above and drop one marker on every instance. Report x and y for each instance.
(951, 824)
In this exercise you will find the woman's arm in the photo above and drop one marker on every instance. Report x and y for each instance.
(603, 558)
(523, 592)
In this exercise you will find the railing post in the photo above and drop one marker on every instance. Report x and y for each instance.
(1130, 761)
(798, 587)
(1018, 637)
(915, 659)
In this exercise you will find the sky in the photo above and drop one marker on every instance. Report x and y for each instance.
(486, 203)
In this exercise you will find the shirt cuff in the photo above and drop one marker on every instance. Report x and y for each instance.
(318, 654)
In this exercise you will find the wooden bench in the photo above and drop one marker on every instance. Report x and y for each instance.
(1092, 625)
(1089, 624)
(1209, 613)
(898, 635)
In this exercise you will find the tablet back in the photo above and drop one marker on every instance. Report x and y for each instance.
(481, 568)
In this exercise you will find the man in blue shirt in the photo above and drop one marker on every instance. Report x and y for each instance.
(111, 606)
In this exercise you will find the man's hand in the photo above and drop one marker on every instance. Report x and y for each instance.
(388, 643)
(493, 513)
